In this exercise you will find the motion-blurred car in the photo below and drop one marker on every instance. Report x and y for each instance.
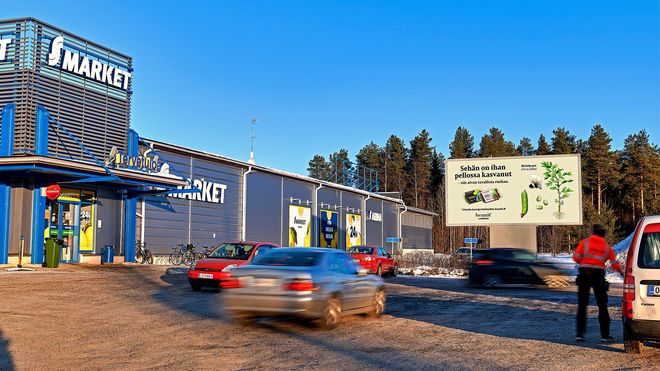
(313, 283)
(375, 260)
(219, 264)
(640, 307)
(464, 251)
(498, 266)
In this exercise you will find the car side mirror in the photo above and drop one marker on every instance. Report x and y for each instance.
(389, 256)
(362, 272)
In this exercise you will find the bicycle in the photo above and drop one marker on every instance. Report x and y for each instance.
(176, 257)
(142, 254)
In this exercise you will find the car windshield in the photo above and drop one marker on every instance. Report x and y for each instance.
(361, 250)
(649, 251)
(289, 258)
(236, 251)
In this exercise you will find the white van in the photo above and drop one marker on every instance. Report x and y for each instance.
(640, 307)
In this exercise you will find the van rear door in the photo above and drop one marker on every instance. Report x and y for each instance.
(646, 270)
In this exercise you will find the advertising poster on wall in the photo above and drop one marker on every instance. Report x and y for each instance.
(353, 230)
(533, 190)
(300, 226)
(329, 229)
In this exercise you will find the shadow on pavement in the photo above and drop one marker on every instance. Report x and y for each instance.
(6, 362)
(519, 292)
(495, 319)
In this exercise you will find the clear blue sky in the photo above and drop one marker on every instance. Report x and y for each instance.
(320, 75)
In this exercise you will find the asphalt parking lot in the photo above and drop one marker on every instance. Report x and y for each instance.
(141, 317)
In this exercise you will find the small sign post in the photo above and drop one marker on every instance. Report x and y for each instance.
(472, 241)
(392, 240)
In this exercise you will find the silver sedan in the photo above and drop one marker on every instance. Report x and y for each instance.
(322, 284)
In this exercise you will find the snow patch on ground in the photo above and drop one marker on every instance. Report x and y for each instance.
(427, 271)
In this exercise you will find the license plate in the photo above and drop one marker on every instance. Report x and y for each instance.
(205, 275)
(265, 282)
(653, 291)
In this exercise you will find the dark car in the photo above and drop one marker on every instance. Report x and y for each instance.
(497, 266)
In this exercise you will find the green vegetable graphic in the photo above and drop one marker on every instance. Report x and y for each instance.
(555, 178)
(538, 198)
(525, 203)
(545, 202)
(539, 207)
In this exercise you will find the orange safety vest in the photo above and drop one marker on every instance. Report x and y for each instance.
(594, 252)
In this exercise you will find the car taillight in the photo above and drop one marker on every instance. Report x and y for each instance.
(483, 262)
(300, 285)
(231, 283)
(629, 288)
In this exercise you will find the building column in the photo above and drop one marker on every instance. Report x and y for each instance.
(38, 226)
(6, 149)
(130, 210)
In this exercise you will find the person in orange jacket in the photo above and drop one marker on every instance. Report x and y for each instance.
(591, 255)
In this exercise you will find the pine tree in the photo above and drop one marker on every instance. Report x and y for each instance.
(494, 144)
(600, 170)
(542, 148)
(437, 172)
(563, 142)
(463, 144)
(318, 168)
(525, 147)
(419, 169)
(639, 161)
(369, 161)
(395, 165)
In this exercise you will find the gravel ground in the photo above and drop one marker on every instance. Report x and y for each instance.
(142, 317)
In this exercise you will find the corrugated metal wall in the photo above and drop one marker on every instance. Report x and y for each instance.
(416, 230)
(194, 218)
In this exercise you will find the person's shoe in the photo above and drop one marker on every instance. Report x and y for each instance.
(608, 339)
(579, 339)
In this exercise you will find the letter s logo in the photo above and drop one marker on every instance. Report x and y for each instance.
(55, 50)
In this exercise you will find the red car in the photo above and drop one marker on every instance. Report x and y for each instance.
(375, 259)
(215, 268)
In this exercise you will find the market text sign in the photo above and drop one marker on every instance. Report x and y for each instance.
(3, 48)
(535, 190)
(83, 66)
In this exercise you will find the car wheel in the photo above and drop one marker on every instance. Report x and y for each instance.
(331, 314)
(196, 287)
(378, 305)
(630, 345)
(493, 280)
(379, 271)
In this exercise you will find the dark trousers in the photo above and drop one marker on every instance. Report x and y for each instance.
(586, 279)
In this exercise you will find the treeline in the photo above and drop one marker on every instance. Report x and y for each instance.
(619, 186)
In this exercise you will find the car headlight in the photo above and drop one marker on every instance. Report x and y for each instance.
(229, 268)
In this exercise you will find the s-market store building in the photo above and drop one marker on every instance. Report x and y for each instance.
(65, 123)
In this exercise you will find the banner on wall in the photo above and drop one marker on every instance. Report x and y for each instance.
(300, 226)
(329, 229)
(353, 230)
(535, 190)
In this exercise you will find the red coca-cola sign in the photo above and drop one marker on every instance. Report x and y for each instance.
(53, 192)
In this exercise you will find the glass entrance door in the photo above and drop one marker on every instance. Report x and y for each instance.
(65, 224)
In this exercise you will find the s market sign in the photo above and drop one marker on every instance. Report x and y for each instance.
(67, 60)
(3, 48)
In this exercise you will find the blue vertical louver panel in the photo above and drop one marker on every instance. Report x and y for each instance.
(41, 132)
(130, 206)
(7, 139)
(6, 149)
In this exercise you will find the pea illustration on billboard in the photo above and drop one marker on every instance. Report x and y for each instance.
(300, 226)
(535, 190)
(329, 229)
(353, 230)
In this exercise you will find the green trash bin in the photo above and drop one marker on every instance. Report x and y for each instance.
(53, 251)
